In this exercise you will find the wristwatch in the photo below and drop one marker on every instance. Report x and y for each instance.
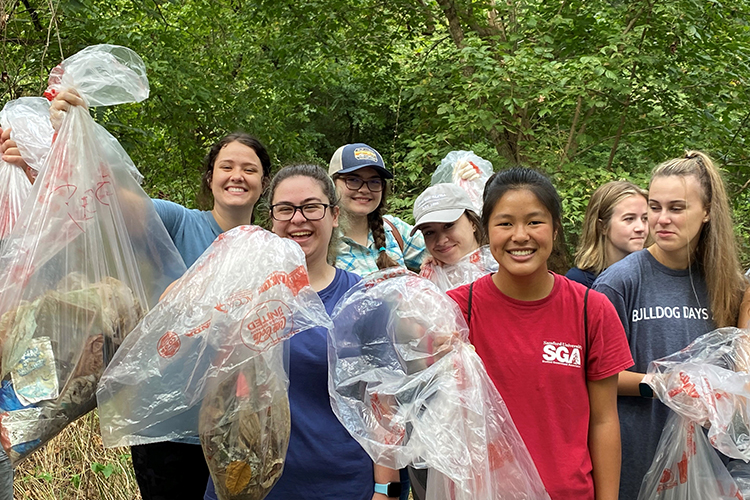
(645, 390)
(391, 490)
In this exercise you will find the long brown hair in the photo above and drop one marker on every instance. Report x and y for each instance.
(717, 251)
(592, 249)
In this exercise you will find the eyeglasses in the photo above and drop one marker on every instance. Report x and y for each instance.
(310, 211)
(355, 183)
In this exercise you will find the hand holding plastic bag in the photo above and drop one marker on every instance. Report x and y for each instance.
(686, 467)
(708, 382)
(28, 118)
(467, 170)
(85, 260)
(247, 293)
(470, 268)
(409, 388)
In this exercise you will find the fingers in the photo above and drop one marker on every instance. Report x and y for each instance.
(61, 104)
(466, 170)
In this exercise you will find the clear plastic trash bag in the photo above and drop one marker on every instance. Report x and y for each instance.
(407, 385)
(31, 129)
(247, 292)
(708, 382)
(451, 165)
(740, 472)
(686, 467)
(86, 259)
(470, 268)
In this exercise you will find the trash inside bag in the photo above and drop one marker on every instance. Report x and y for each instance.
(406, 384)
(740, 472)
(86, 259)
(708, 382)
(452, 168)
(248, 292)
(245, 427)
(685, 466)
(470, 268)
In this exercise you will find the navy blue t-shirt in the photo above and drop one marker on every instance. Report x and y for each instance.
(323, 461)
(584, 277)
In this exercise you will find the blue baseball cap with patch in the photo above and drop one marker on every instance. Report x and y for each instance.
(352, 157)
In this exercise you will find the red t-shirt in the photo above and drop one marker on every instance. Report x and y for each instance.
(533, 353)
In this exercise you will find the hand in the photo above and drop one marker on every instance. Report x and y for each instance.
(12, 155)
(379, 496)
(466, 170)
(61, 104)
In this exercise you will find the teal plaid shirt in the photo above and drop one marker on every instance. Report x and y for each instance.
(362, 260)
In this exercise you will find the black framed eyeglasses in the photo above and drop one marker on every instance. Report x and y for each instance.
(310, 211)
(354, 183)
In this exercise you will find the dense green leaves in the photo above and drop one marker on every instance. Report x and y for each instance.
(587, 91)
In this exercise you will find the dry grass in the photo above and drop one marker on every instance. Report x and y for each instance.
(76, 466)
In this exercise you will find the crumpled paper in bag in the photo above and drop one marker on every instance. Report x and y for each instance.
(87, 257)
(246, 294)
(407, 385)
(708, 382)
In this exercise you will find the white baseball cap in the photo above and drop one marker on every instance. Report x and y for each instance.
(440, 203)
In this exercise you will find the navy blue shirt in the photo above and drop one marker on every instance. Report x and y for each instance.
(586, 278)
(323, 461)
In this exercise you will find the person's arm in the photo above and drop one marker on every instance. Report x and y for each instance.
(384, 475)
(627, 384)
(604, 437)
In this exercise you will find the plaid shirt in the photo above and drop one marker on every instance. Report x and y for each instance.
(362, 260)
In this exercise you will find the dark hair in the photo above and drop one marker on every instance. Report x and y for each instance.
(376, 224)
(539, 184)
(479, 232)
(205, 197)
(326, 185)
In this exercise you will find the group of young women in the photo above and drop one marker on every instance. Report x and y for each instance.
(565, 357)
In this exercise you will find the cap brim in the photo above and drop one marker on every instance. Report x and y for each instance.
(383, 172)
(440, 216)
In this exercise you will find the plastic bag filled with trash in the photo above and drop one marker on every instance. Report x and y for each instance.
(407, 385)
(86, 259)
(208, 359)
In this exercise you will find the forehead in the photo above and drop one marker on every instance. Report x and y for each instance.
(239, 153)
(675, 187)
(518, 203)
(632, 203)
(297, 189)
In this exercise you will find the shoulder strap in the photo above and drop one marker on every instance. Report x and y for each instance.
(396, 234)
(471, 292)
(585, 331)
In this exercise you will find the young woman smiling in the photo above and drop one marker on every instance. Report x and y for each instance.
(323, 461)
(453, 236)
(552, 348)
(686, 284)
(614, 226)
(371, 240)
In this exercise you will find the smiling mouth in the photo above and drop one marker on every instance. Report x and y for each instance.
(521, 253)
(236, 189)
(300, 234)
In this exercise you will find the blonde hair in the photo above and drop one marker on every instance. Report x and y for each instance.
(717, 251)
(592, 249)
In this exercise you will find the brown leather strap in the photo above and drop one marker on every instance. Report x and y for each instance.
(396, 234)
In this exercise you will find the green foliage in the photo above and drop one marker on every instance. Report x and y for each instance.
(585, 91)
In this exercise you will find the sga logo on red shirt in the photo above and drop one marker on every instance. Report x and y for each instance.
(561, 353)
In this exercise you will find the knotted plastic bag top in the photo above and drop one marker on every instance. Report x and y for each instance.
(104, 75)
(708, 383)
(409, 388)
(248, 292)
(448, 172)
(89, 223)
(470, 268)
(28, 118)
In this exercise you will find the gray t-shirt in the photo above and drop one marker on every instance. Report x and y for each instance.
(662, 310)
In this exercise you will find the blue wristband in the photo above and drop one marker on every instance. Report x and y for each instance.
(391, 490)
